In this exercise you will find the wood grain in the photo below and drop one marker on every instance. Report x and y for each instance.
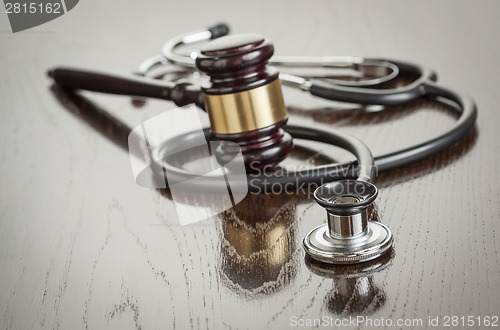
(82, 246)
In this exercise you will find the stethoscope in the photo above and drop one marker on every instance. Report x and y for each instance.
(345, 190)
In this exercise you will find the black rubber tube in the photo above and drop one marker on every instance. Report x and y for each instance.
(462, 126)
(262, 182)
(391, 96)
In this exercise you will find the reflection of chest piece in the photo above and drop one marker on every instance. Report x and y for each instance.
(355, 290)
(349, 236)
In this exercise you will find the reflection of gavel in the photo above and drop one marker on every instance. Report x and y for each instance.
(243, 99)
(257, 244)
(354, 289)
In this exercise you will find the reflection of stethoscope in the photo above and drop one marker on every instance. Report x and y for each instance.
(245, 106)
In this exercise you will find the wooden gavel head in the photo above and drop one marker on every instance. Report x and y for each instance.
(244, 100)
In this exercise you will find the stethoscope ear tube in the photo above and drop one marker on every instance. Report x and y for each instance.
(377, 96)
(366, 96)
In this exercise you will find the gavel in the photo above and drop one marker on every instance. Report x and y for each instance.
(243, 98)
(246, 109)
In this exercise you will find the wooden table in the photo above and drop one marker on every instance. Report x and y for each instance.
(83, 246)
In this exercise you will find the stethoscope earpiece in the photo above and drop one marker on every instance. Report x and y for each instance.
(349, 236)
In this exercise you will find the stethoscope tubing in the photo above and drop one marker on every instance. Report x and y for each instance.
(262, 181)
(365, 166)
(386, 96)
(424, 85)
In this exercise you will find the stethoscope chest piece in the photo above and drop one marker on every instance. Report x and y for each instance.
(348, 237)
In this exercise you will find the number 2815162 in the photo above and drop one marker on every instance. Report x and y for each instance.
(33, 8)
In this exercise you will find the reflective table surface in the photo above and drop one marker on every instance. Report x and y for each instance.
(83, 246)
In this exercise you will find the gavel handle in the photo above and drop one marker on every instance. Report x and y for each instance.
(181, 94)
